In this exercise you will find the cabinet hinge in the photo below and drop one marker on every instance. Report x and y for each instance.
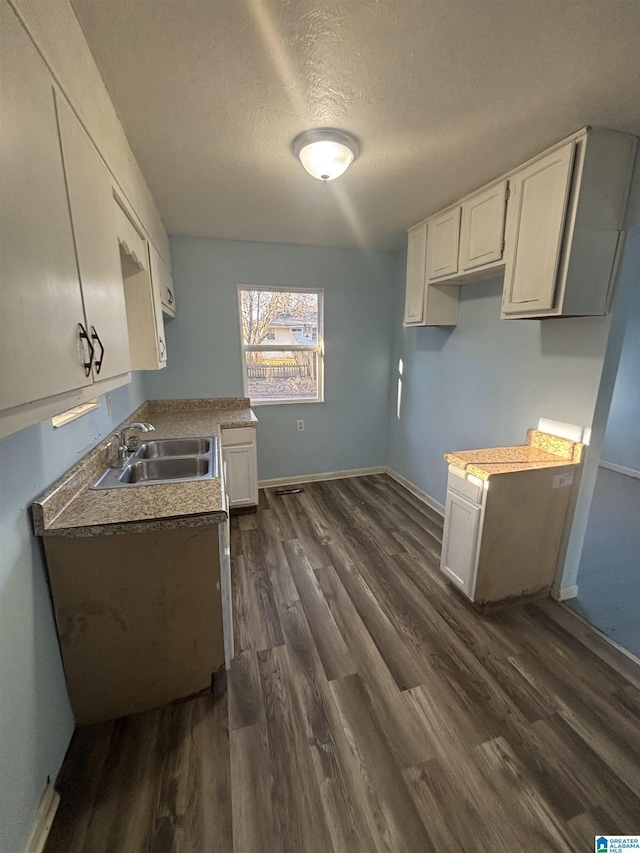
(507, 194)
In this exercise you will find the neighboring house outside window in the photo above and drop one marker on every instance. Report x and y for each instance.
(281, 331)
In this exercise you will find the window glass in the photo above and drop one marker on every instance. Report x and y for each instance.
(281, 344)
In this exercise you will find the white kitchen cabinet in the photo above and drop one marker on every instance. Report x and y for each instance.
(563, 227)
(502, 536)
(425, 304)
(226, 590)
(93, 218)
(49, 327)
(145, 322)
(482, 228)
(160, 276)
(538, 204)
(40, 299)
(240, 455)
(443, 244)
(165, 285)
(460, 541)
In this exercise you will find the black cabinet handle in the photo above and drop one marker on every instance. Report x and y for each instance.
(170, 292)
(82, 334)
(95, 337)
(163, 349)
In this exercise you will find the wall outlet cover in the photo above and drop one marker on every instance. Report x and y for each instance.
(562, 480)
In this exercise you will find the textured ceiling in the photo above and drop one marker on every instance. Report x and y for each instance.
(442, 94)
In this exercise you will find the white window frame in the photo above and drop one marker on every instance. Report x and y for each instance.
(318, 347)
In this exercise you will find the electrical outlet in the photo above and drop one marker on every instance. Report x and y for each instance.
(562, 480)
(300, 425)
(108, 402)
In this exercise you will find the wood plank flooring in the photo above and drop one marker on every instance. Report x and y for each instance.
(370, 708)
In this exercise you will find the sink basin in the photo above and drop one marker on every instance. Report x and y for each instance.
(173, 447)
(176, 468)
(166, 460)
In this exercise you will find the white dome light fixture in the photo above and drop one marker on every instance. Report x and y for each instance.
(326, 153)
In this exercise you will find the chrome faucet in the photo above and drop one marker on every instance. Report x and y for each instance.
(127, 445)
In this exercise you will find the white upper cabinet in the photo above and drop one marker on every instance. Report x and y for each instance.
(537, 209)
(415, 290)
(482, 228)
(168, 293)
(563, 227)
(426, 304)
(142, 295)
(553, 225)
(162, 284)
(93, 217)
(64, 331)
(40, 299)
(443, 242)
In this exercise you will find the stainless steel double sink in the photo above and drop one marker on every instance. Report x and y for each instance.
(165, 460)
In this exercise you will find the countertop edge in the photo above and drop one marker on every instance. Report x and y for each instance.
(139, 526)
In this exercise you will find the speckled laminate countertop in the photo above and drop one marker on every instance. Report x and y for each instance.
(542, 450)
(70, 507)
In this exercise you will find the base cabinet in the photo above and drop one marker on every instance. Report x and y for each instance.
(502, 538)
(240, 455)
(139, 617)
(460, 541)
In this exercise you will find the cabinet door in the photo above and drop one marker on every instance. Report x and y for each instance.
(93, 215)
(142, 298)
(416, 283)
(460, 541)
(158, 281)
(40, 297)
(242, 476)
(535, 226)
(165, 285)
(443, 241)
(482, 228)
(226, 591)
(168, 294)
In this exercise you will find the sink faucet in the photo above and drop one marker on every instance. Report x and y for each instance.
(127, 444)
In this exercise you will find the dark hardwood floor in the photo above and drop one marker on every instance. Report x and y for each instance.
(370, 708)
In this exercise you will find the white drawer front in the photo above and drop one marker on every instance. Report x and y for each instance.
(458, 483)
(239, 435)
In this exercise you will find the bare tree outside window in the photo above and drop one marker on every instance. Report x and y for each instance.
(282, 344)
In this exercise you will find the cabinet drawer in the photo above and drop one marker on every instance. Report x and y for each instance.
(459, 484)
(238, 435)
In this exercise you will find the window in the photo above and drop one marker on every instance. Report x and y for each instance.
(281, 332)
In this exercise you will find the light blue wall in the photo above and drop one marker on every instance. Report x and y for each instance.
(486, 381)
(35, 717)
(348, 430)
(622, 436)
(627, 284)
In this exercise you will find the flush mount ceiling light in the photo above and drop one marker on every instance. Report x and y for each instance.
(326, 153)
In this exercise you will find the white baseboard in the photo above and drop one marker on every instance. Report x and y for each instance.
(565, 592)
(602, 635)
(356, 472)
(44, 818)
(620, 469)
(314, 478)
(411, 487)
